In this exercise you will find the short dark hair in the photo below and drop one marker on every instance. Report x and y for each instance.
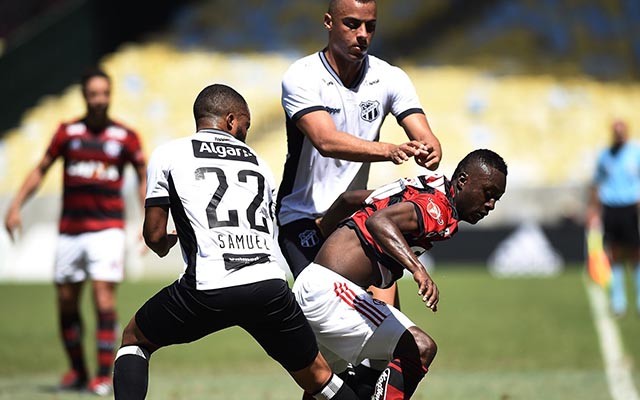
(92, 73)
(333, 4)
(481, 157)
(218, 100)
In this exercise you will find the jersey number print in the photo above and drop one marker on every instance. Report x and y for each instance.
(244, 176)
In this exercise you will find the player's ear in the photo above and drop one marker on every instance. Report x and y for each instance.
(328, 21)
(231, 122)
(462, 180)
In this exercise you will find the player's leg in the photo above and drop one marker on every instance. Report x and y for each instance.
(413, 354)
(614, 236)
(71, 332)
(131, 366)
(69, 276)
(274, 318)
(106, 334)
(105, 265)
(299, 243)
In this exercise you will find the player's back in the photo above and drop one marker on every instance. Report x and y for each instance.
(221, 197)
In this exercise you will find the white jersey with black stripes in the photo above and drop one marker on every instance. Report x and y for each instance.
(221, 197)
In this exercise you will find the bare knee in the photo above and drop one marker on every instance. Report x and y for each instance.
(133, 336)
(416, 343)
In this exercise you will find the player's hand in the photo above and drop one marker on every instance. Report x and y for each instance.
(427, 289)
(13, 224)
(401, 153)
(428, 157)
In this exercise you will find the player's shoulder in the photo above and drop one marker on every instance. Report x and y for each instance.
(72, 127)
(302, 67)
(119, 130)
(380, 65)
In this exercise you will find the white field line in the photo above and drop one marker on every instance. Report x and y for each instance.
(617, 366)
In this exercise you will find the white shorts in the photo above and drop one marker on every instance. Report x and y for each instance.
(96, 255)
(349, 324)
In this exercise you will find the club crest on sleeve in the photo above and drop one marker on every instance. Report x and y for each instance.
(434, 212)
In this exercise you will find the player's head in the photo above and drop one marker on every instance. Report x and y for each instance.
(351, 25)
(96, 90)
(219, 106)
(620, 132)
(480, 179)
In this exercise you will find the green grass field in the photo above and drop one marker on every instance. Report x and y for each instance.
(499, 339)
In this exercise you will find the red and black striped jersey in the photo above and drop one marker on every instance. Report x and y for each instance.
(93, 174)
(433, 199)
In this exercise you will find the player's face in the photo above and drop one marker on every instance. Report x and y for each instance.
(351, 28)
(97, 94)
(478, 192)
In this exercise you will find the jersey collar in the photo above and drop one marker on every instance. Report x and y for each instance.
(329, 68)
(216, 132)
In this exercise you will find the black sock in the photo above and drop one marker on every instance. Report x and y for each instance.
(131, 373)
(399, 380)
(335, 389)
(71, 330)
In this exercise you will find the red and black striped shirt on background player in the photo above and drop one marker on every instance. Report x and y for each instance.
(93, 174)
(433, 198)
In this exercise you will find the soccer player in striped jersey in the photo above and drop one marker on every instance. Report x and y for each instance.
(221, 197)
(95, 150)
(374, 247)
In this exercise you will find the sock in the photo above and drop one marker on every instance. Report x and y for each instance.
(399, 380)
(131, 373)
(106, 340)
(335, 389)
(617, 289)
(364, 380)
(71, 329)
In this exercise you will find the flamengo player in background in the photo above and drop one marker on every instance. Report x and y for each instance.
(374, 247)
(221, 197)
(95, 150)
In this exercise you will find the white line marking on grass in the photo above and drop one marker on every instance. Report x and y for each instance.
(615, 363)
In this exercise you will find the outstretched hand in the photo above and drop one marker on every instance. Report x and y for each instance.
(429, 157)
(405, 151)
(427, 289)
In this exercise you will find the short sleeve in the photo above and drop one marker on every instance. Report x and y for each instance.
(300, 94)
(134, 149)
(157, 179)
(57, 142)
(404, 97)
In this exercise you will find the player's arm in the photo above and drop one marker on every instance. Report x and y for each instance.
(387, 226)
(13, 220)
(345, 205)
(330, 142)
(141, 174)
(417, 128)
(154, 230)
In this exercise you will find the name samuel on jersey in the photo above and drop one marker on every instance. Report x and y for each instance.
(244, 242)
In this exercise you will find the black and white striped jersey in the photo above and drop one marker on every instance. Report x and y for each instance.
(310, 181)
(221, 197)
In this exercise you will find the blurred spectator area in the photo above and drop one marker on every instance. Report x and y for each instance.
(537, 81)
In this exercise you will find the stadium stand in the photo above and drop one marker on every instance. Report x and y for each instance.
(537, 81)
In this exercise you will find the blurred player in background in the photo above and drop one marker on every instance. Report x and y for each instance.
(221, 197)
(91, 245)
(614, 201)
(373, 247)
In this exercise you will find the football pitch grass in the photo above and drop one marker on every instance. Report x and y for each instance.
(498, 339)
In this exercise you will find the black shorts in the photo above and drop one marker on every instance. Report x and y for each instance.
(267, 310)
(621, 225)
(300, 242)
